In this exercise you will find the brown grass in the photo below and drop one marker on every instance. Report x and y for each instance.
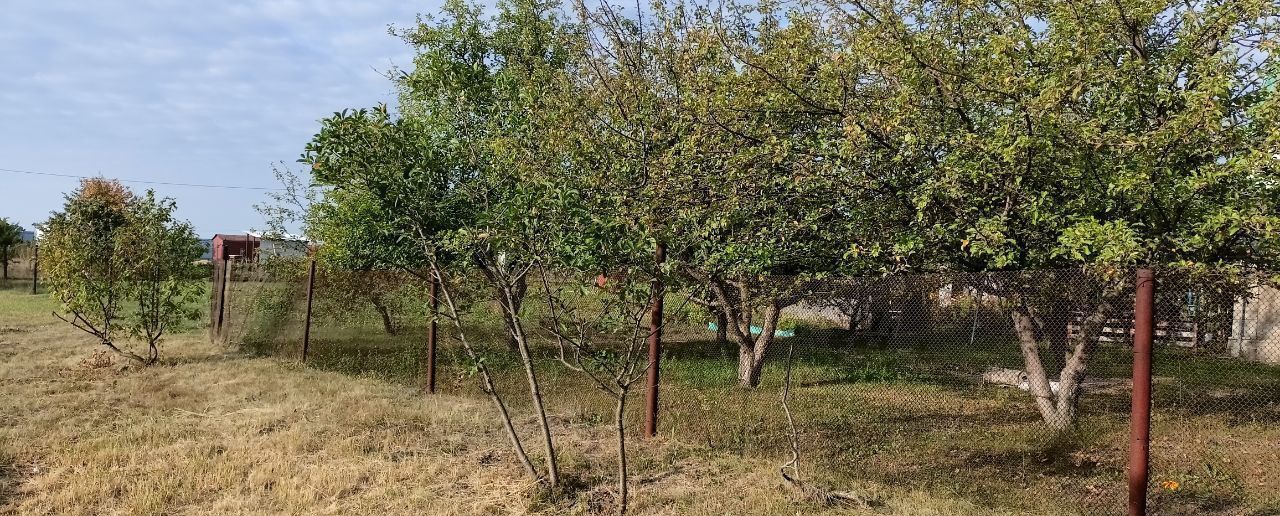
(209, 431)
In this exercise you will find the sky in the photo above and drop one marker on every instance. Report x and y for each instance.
(182, 92)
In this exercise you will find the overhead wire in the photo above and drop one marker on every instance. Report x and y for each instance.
(140, 181)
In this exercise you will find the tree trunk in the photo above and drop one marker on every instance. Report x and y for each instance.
(751, 351)
(1037, 380)
(486, 378)
(619, 429)
(735, 302)
(388, 324)
(749, 367)
(512, 297)
(1059, 410)
(4, 259)
(153, 353)
(519, 287)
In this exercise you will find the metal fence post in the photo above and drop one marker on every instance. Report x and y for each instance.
(306, 329)
(35, 269)
(655, 343)
(1140, 412)
(220, 330)
(431, 339)
(215, 279)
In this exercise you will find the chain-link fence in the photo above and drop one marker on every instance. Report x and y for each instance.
(22, 267)
(1007, 389)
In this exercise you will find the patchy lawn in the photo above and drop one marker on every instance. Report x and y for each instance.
(211, 431)
(912, 416)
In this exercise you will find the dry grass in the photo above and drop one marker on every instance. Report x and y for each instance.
(213, 432)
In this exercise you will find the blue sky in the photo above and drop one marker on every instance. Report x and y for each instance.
(181, 91)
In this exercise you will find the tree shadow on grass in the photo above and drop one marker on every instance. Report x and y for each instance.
(10, 476)
(1237, 408)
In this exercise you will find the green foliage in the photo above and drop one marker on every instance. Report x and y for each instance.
(121, 265)
(754, 139)
(162, 277)
(429, 181)
(876, 369)
(1042, 134)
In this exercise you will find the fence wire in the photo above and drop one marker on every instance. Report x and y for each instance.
(21, 269)
(1009, 390)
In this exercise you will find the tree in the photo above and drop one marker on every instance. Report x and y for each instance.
(1030, 135)
(161, 276)
(603, 337)
(121, 265)
(430, 171)
(10, 238)
(289, 208)
(689, 132)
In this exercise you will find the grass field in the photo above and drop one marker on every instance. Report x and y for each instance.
(210, 431)
(900, 415)
(216, 431)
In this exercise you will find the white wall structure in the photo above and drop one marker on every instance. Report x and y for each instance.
(1255, 325)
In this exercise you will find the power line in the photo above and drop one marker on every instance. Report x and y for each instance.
(140, 181)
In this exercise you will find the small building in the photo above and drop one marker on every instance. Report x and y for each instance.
(227, 247)
(254, 247)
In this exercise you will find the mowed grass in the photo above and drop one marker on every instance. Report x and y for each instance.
(213, 431)
(908, 416)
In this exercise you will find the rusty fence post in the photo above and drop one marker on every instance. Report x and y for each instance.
(656, 290)
(215, 300)
(431, 338)
(35, 269)
(1140, 412)
(306, 328)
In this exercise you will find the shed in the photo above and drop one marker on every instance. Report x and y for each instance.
(225, 247)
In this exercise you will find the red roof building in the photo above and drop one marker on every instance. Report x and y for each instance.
(225, 247)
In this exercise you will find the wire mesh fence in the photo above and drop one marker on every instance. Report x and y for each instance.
(21, 269)
(1008, 389)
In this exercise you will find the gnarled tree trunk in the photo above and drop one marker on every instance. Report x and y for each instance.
(1059, 410)
(752, 349)
(735, 304)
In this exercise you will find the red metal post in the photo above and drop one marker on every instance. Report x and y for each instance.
(1140, 414)
(431, 339)
(306, 329)
(655, 343)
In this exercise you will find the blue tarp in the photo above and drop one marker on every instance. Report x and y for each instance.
(755, 330)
